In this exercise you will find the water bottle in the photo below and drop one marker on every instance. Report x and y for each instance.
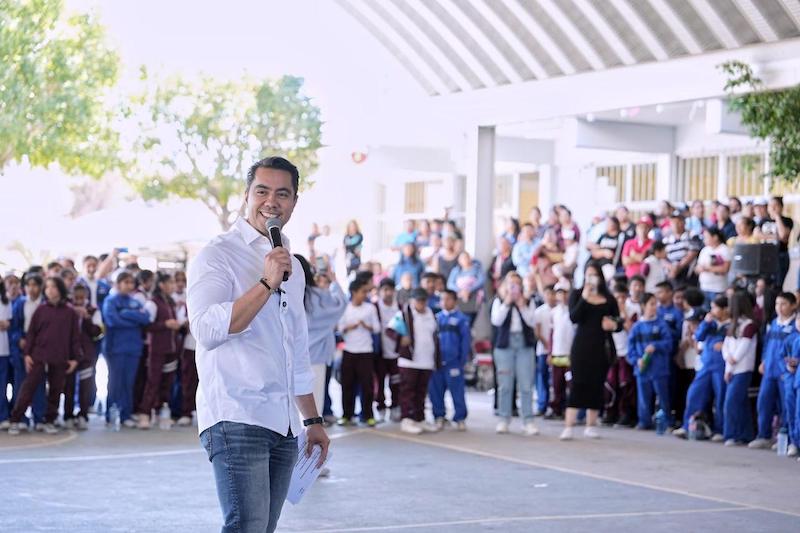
(114, 418)
(783, 442)
(661, 422)
(164, 417)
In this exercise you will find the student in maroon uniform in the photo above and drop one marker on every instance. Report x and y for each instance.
(89, 324)
(162, 359)
(52, 347)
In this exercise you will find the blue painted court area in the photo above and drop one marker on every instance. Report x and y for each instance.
(383, 480)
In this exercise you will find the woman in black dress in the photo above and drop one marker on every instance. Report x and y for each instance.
(595, 312)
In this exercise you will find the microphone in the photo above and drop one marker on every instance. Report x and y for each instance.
(274, 232)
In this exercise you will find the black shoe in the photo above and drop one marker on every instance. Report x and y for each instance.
(625, 422)
(609, 420)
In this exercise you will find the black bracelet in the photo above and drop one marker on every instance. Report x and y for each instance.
(263, 281)
(311, 421)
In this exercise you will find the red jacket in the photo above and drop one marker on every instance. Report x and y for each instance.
(162, 339)
(89, 333)
(53, 336)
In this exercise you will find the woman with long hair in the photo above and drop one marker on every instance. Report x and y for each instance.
(594, 310)
(739, 351)
(353, 241)
(162, 358)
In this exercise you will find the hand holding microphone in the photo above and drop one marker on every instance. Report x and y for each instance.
(278, 262)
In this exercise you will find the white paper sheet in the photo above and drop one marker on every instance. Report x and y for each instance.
(305, 472)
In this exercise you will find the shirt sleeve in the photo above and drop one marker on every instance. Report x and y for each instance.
(499, 312)
(303, 375)
(209, 300)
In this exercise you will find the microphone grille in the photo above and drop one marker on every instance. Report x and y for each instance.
(274, 222)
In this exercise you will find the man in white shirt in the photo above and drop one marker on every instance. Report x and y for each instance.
(252, 355)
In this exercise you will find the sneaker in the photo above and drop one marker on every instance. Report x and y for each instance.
(184, 421)
(530, 429)
(538, 412)
(5, 424)
(344, 422)
(143, 422)
(396, 415)
(13, 429)
(409, 426)
(439, 423)
(49, 429)
(69, 423)
(591, 432)
(380, 415)
(733, 442)
(625, 422)
(461, 425)
(717, 437)
(325, 472)
(680, 433)
(502, 427)
(566, 434)
(129, 423)
(774, 447)
(759, 444)
(38, 426)
(82, 424)
(428, 428)
(371, 422)
(329, 419)
(609, 420)
(792, 452)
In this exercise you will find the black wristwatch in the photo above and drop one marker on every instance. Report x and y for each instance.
(311, 421)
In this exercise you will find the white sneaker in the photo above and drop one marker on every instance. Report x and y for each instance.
(325, 472)
(759, 444)
(82, 423)
(13, 429)
(566, 434)
(530, 429)
(717, 437)
(5, 424)
(409, 426)
(461, 425)
(143, 422)
(439, 423)
(38, 427)
(184, 421)
(502, 427)
(428, 428)
(792, 452)
(591, 432)
(49, 429)
(680, 433)
(129, 423)
(732, 442)
(69, 423)
(395, 416)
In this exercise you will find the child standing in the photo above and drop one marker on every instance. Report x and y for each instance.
(53, 347)
(563, 334)
(543, 326)
(90, 325)
(709, 375)
(739, 351)
(455, 344)
(650, 352)
(654, 269)
(415, 329)
(21, 315)
(386, 360)
(620, 383)
(357, 325)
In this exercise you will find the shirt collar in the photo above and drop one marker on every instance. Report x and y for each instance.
(250, 234)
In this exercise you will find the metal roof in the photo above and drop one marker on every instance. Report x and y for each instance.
(451, 46)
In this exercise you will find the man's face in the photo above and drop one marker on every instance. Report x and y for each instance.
(387, 294)
(359, 295)
(32, 290)
(90, 267)
(663, 296)
(622, 215)
(448, 301)
(677, 225)
(775, 206)
(420, 305)
(637, 289)
(270, 195)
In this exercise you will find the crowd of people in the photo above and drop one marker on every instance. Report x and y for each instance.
(646, 325)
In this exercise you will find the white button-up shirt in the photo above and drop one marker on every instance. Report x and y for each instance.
(251, 377)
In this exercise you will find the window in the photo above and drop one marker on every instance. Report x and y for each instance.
(643, 182)
(503, 191)
(415, 197)
(616, 179)
(745, 175)
(697, 178)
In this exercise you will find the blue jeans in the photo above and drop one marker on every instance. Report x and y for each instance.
(770, 403)
(516, 361)
(738, 422)
(542, 383)
(648, 387)
(252, 468)
(706, 383)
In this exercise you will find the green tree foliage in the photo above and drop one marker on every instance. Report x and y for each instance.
(56, 72)
(197, 139)
(773, 116)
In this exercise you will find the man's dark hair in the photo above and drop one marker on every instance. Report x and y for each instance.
(620, 288)
(693, 296)
(788, 296)
(450, 292)
(658, 246)
(144, 276)
(637, 277)
(355, 285)
(749, 222)
(53, 264)
(89, 258)
(123, 276)
(276, 163)
(665, 285)
(778, 199)
(430, 275)
(364, 276)
(387, 282)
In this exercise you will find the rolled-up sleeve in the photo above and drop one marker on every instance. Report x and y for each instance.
(303, 375)
(209, 299)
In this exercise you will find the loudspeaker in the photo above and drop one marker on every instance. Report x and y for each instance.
(755, 259)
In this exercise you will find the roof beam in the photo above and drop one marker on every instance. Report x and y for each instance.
(606, 31)
(793, 8)
(717, 25)
(760, 24)
(541, 36)
(641, 29)
(486, 44)
(569, 29)
(455, 43)
(677, 26)
(483, 7)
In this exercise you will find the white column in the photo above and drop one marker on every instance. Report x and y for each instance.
(479, 224)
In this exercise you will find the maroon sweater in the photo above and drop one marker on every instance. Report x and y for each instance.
(53, 336)
(162, 339)
(89, 332)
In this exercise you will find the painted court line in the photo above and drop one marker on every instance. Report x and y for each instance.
(542, 518)
(580, 473)
(54, 442)
(137, 455)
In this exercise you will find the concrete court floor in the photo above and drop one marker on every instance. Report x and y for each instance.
(383, 480)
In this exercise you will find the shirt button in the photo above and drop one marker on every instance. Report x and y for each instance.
(284, 304)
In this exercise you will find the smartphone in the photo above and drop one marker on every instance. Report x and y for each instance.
(123, 250)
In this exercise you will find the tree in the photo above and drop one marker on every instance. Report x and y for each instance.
(773, 116)
(56, 75)
(197, 139)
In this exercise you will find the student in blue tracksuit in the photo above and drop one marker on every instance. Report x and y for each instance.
(650, 348)
(790, 384)
(124, 317)
(772, 392)
(455, 344)
(668, 311)
(739, 352)
(21, 314)
(710, 369)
